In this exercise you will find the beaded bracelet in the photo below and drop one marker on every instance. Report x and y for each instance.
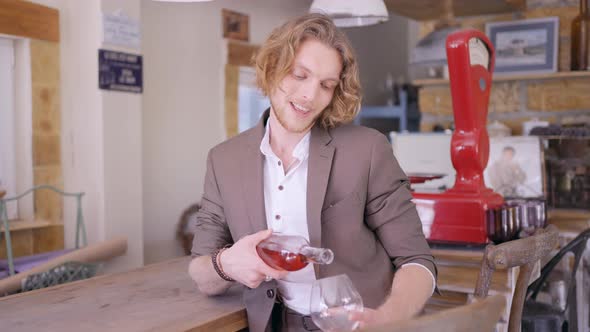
(217, 265)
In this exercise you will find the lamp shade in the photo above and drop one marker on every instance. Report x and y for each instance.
(352, 13)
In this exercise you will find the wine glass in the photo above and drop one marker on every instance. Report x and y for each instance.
(332, 299)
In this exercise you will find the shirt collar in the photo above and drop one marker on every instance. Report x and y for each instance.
(301, 150)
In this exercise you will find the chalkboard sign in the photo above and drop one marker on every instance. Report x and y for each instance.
(120, 71)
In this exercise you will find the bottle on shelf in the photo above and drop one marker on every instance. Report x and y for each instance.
(580, 49)
(291, 252)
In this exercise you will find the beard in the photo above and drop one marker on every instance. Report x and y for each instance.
(298, 128)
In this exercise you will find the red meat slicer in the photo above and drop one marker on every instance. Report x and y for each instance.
(458, 215)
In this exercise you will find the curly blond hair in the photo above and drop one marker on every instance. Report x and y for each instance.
(275, 60)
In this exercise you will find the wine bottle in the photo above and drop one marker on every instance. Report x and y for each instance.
(291, 252)
(580, 50)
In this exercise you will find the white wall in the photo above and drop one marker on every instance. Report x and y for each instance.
(7, 123)
(122, 118)
(183, 109)
(101, 133)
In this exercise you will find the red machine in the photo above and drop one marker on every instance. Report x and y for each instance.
(458, 215)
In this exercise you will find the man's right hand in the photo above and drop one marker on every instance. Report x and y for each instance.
(242, 263)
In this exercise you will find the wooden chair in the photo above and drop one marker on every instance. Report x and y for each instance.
(523, 253)
(186, 227)
(482, 315)
(541, 316)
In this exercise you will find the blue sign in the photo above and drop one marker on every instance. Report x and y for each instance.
(120, 71)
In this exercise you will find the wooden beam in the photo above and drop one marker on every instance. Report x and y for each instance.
(240, 54)
(232, 77)
(48, 239)
(424, 10)
(29, 20)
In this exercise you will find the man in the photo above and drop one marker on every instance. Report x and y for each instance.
(303, 171)
(506, 174)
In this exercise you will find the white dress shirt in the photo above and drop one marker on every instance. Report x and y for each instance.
(286, 212)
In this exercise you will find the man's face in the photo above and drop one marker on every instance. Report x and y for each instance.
(303, 94)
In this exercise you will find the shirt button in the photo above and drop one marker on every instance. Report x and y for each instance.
(281, 187)
(277, 217)
(270, 293)
(279, 163)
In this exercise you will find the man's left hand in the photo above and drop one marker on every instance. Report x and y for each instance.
(411, 287)
(370, 317)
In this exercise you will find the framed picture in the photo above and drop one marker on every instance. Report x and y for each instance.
(525, 46)
(516, 167)
(235, 25)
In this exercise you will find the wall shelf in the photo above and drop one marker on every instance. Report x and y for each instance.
(19, 225)
(30, 237)
(506, 78)
(424, 10)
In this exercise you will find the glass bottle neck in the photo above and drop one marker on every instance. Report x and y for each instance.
(584, 7)
(318, 255)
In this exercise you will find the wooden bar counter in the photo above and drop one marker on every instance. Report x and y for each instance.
(158, 297)
(162, 297)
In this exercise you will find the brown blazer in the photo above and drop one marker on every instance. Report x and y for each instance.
(358, 205)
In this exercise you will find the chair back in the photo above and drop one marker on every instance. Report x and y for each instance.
(481, 315)
(523, 253)
(539, 314)
(186, 227)
(577, 246)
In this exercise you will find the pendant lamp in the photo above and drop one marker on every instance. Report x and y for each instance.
(352, 13)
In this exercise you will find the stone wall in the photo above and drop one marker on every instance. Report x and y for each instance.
(562, 101)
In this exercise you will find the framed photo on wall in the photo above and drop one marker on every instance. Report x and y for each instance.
(525, 46)
(235, 25)
(516, 167)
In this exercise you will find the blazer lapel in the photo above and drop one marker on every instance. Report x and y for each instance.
(252, 178)
(318, 173)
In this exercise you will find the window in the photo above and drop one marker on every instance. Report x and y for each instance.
(251, 102)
